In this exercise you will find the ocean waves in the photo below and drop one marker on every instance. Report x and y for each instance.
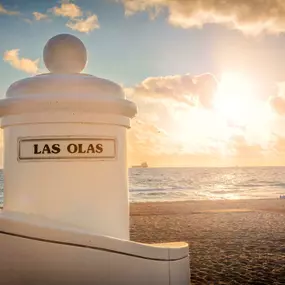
(176, 184)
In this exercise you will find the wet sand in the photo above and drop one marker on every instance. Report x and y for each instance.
(231, 242)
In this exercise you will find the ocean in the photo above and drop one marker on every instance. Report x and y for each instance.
(180, 184)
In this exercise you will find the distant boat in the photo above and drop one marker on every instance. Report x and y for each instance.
(143, 165)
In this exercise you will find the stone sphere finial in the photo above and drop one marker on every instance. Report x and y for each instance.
(65, 53)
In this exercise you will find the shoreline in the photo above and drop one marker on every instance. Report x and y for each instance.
(193, 206)
(217, 203)
(204, 200)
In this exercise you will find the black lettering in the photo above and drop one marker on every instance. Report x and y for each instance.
(99, 148)
(55, 148)
(91, 149)
(72, 148)
(36, 151)
(80, 149)
(46, 149)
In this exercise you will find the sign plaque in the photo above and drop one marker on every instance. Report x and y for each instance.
(66, 148)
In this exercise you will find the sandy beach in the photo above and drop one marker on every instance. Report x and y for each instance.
(231, 242)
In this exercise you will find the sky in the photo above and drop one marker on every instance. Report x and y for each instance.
(208, 77)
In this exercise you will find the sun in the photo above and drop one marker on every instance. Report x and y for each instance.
(235, 98)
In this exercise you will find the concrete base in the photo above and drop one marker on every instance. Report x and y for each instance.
(39, 251)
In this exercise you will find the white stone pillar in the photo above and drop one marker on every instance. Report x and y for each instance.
(65, 144)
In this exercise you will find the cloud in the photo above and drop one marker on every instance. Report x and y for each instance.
(179, 124)
(67, 9)
(187, 89)
(167, 124)
(40, 16)
(239, 146)
(277, 102)
(7, 12)
(279, 144)
(29, 21)
(147, 141)
(167, 128)
(252, 17)
(84, 25)
(78, 20)
(24, 64)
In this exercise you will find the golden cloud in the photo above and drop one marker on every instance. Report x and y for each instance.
(147, 141)
(7, 12)
(40, 16)
(79, 21)
(238, 145)
(188, 89)
(277, 102)
(67, 9)
(251, 17)
(84, 25)
(171, 132)
(24, 64)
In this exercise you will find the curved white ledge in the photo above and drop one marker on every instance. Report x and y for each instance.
(65, 84)
(48, 231)
(37, 251)
(73, 102)
(66, 117)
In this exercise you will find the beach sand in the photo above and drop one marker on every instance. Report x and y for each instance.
(231, 242)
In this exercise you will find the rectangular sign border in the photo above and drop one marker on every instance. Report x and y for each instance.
(67, 158)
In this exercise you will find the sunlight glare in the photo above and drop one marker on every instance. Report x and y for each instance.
(235, 98)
